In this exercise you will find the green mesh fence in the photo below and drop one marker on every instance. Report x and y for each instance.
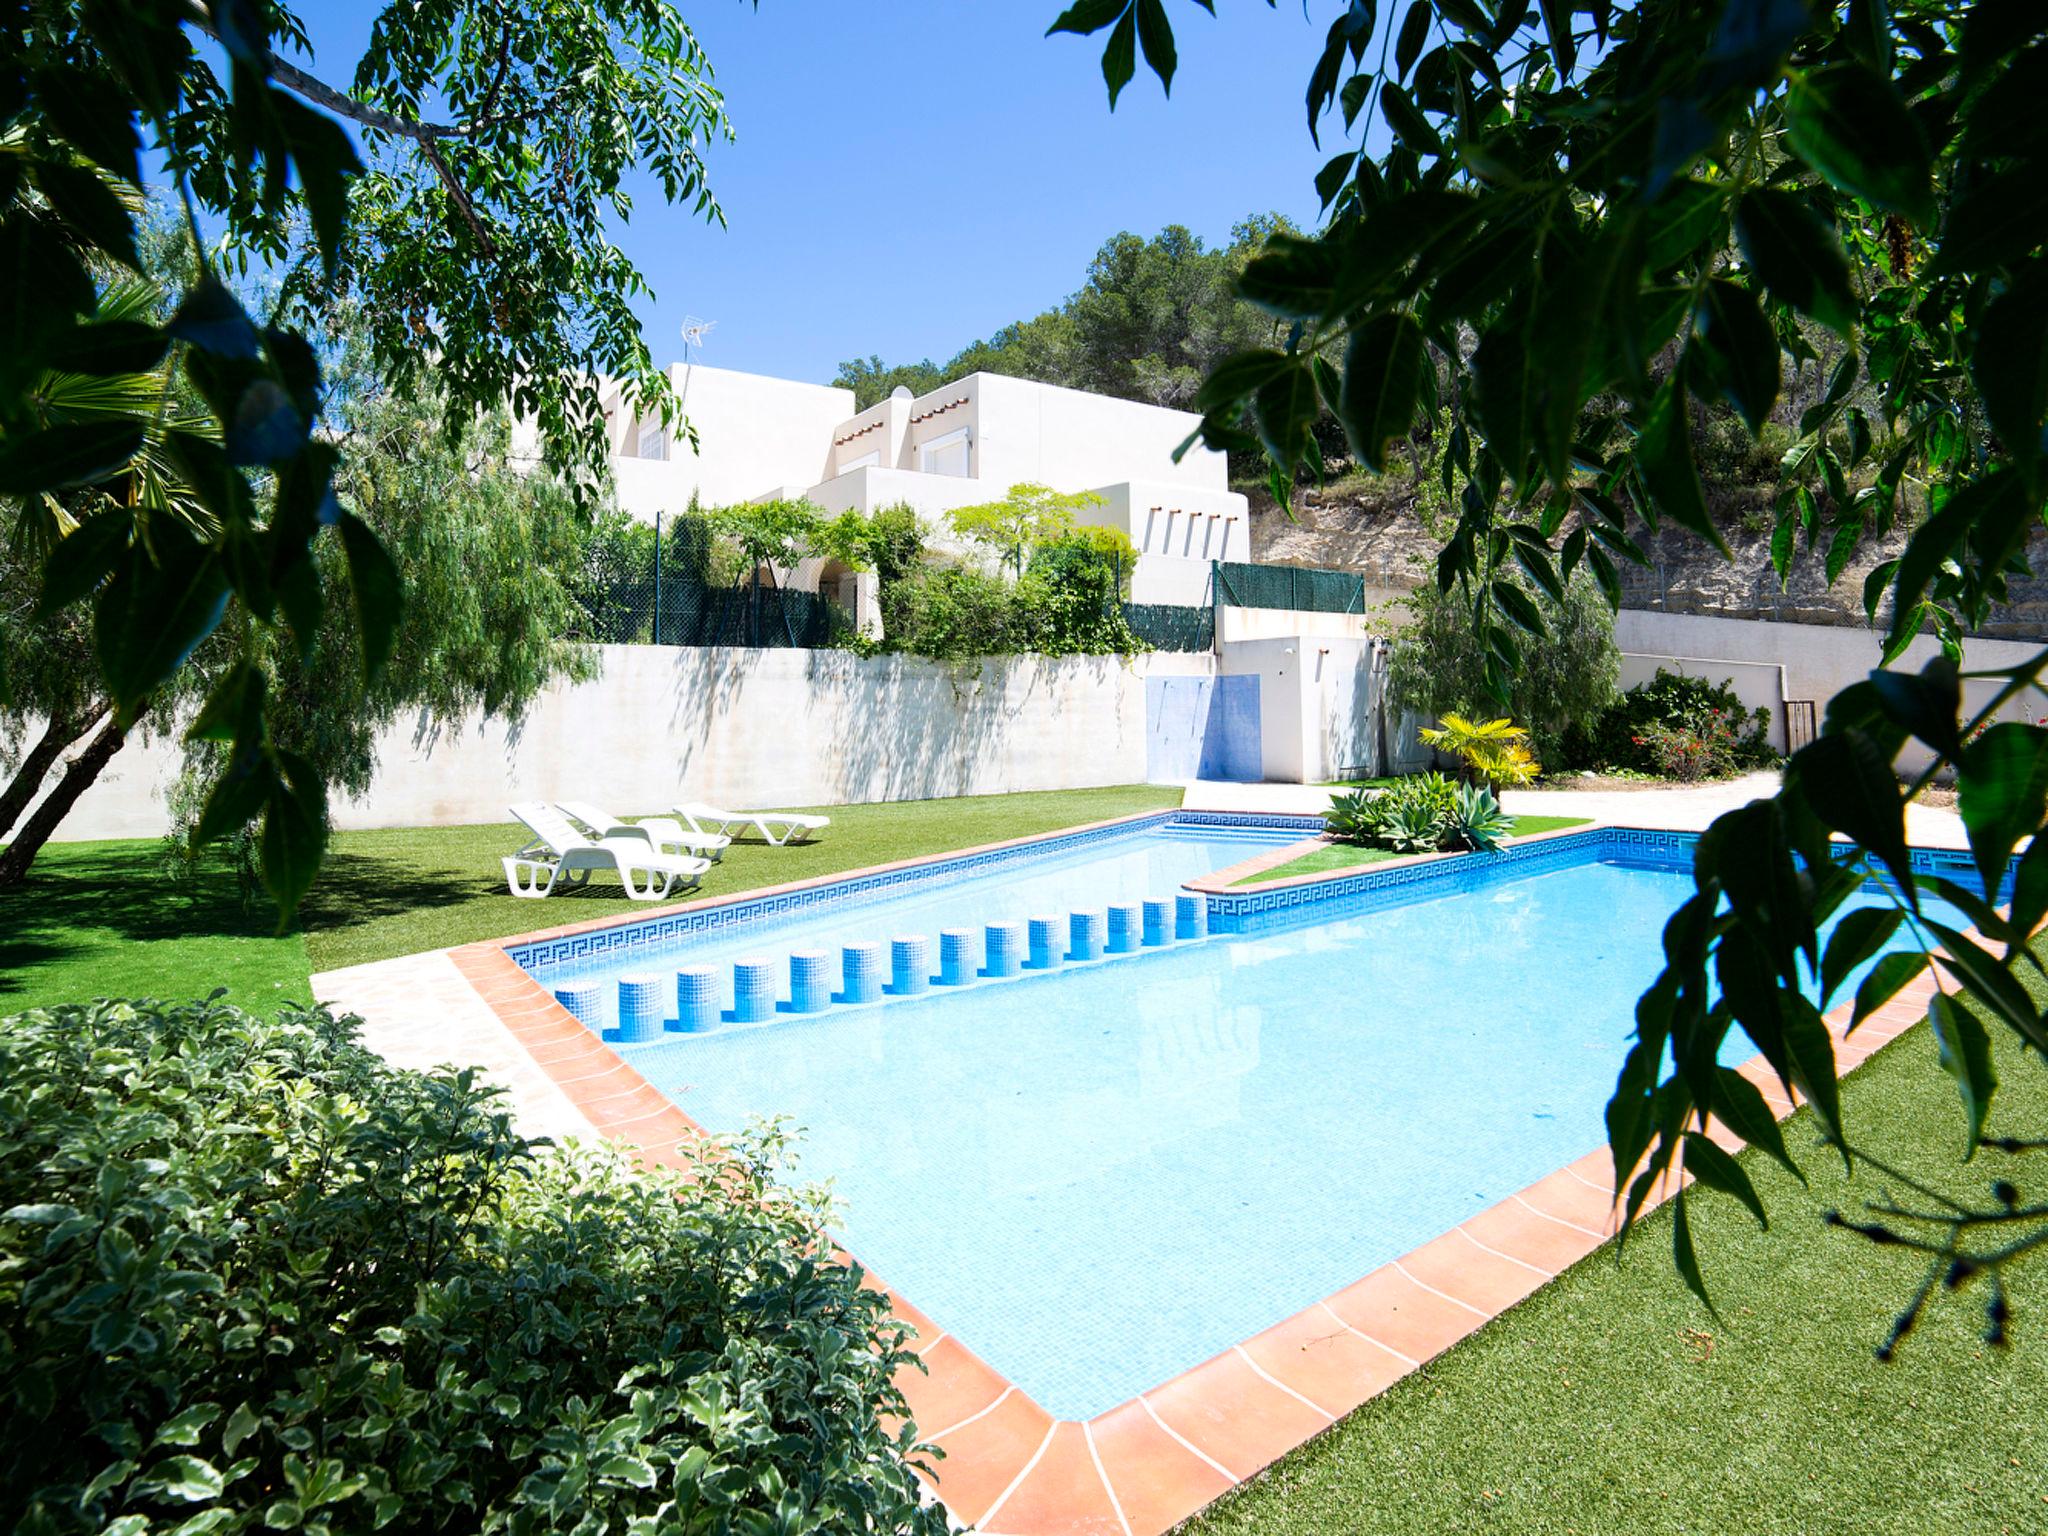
(1172, 626)
(1287, 586)
(632, 611)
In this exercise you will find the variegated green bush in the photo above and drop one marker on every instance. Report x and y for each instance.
(251, 1278)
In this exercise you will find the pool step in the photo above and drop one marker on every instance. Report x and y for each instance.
(871, 973)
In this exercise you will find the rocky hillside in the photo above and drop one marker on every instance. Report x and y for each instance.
(1377, 527)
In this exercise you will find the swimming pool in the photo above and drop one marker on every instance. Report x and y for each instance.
(1149, 856)
(1097, 1178)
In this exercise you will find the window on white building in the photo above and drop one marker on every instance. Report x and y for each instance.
(653, 442)
(945, 455)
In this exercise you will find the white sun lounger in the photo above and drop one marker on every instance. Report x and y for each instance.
(777, 827)
(558, 849)
(665, 832)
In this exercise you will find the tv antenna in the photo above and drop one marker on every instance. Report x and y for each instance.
(694, 332)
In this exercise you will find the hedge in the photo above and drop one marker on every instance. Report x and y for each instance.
(252, 1277)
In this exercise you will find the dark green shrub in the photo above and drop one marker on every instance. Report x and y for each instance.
(954, 613)
(1677, 719)
(252, 1277)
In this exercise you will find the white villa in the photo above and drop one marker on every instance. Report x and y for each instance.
(965, 443)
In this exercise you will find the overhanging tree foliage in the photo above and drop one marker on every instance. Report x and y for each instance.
(1589, 220)
(498, 137)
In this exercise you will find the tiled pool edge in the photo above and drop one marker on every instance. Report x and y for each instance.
(1144, 1466)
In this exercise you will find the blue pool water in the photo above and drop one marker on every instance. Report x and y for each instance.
(1097, 1178)
(1151, 860)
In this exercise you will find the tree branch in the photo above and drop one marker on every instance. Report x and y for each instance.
(321, 94)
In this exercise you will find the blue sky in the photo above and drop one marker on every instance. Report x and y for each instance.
(997, 165)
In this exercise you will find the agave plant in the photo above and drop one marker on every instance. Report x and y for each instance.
(1476, 819)
(1352, 817)
(1495, 751)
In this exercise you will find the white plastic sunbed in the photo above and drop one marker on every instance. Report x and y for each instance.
(558, 849)
(777, 827)
(665, 832)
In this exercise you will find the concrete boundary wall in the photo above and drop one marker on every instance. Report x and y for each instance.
(744, 727)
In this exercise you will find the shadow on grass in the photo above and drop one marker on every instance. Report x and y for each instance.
(80, 901)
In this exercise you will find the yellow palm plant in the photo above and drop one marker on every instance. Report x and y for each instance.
(1496, 751)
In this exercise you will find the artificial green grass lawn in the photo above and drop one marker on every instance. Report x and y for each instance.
(1608, 1403)
(1351, 855)
(101, 920)
(1611, 1402)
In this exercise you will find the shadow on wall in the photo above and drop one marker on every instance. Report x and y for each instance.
(836, 727)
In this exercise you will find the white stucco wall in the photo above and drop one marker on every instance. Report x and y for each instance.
(1318, 697)
(743, 727)
(1758, 684)
(1234, 623)
(1818, 660)
(753, 432)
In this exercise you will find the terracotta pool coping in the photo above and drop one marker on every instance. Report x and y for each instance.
(1012, 1469)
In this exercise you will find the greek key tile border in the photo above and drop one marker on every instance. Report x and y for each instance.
(630, 934)
(1374, 889)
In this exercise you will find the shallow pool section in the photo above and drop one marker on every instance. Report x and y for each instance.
(1150, 858)
(1098, 1178)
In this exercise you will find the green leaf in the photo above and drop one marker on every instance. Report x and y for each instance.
(1743, 349)
(1713, 1167)
(379, 593)
(1859, 935)
(213, 320)
(90, 112)
(185, 1428)
(1999, 219)
(108, 348)
(1088, 16)
(1518, 606)
(1684, 1257)
(2030, 888)
(1155, 35)
(1120, 57)
(1238, 377)
(1797, 256)
(83, 559)
(1850, 786)
(1382, 380)
(1557, 24)
(2002, 795)
(1853, 128)
(1928, 704)
(186, 1477)
(1991, 981)
(1682, 220)
(1890, 973)
(154, 611)
(1504, 375)
(325, 159)
(1407, 121)
(1285, 412)
(1810, 1052)
(1664, 454)
(294, 833)
(75, 453)
(1965, 1055)
(1414, 33)
(91, 210)
(2009, 362)
(1739, 1104)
